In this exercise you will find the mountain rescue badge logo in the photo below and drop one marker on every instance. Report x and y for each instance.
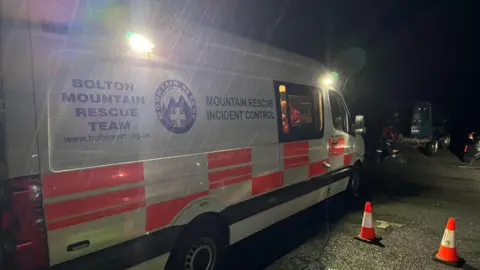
(175, 106)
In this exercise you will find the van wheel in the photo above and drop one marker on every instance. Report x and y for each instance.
(202, 246)
(445, 144)
(354, 182)
(431, 148)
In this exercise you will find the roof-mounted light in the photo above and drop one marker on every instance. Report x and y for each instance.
(139, 43)
(329, 79)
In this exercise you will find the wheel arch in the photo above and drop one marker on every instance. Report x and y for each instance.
(204, 205)
(358, 161)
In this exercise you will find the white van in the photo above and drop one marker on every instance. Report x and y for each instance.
(125, 148)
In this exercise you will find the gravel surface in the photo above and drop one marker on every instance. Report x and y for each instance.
(421, 196)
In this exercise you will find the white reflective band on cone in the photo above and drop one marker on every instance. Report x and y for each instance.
(448, 239)
(367, 220)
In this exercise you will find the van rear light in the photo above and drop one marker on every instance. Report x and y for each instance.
(24, 243)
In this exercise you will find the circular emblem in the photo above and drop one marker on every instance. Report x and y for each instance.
(175, 106)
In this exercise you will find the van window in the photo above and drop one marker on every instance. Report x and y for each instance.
(340, 116)
(299, 112)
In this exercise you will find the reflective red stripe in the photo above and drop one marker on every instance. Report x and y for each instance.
(229, 174)
(162, 214)
(93, 216)
(229, 158)
(231, 181)
(295, 162)
(317, 168)
(92, 203)
(65, 183)
(347, 159)
(339, 148)
(295, 148)
(267, 182)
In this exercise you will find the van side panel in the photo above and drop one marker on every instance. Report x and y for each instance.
(18, 88)
(131, 145)
(145, 119)
(91, 165)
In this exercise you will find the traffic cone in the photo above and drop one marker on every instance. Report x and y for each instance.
(447, 253)
(367, 232)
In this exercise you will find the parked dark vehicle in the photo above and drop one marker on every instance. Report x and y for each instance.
(413, 125)
(442, 132)
(444, 141)
(472, 148)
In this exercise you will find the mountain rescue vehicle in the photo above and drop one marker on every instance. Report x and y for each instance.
(156, 141)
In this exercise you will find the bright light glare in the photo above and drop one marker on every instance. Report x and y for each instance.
(139, 43)
(328, 81)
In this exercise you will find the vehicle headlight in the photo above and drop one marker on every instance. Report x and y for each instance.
(415, 130)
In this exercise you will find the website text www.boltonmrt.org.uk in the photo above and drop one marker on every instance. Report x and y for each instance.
(107, 137)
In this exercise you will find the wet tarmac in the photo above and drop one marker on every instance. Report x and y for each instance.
(415, 199)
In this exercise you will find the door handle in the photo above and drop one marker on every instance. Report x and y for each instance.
(326, 165)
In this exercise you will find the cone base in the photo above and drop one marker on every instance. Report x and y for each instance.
(368, 241)
(459, 263)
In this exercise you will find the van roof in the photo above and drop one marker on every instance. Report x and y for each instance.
(235, 52)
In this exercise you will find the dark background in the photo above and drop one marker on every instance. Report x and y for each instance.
(415, 49)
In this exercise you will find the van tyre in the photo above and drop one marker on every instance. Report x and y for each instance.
(354, 183)
(203, 246)
(431, 148)
(445, 143)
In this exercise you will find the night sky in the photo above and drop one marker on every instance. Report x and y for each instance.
(415, 49)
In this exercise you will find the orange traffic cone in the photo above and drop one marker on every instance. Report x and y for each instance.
(367, 232)
(447, 253)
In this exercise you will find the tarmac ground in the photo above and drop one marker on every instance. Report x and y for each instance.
(411, 204)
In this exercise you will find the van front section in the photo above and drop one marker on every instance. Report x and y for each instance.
(126, 133)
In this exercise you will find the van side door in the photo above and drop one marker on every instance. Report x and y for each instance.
(341, 141)
(300, 129)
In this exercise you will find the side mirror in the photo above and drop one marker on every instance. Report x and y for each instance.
(359, 125)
